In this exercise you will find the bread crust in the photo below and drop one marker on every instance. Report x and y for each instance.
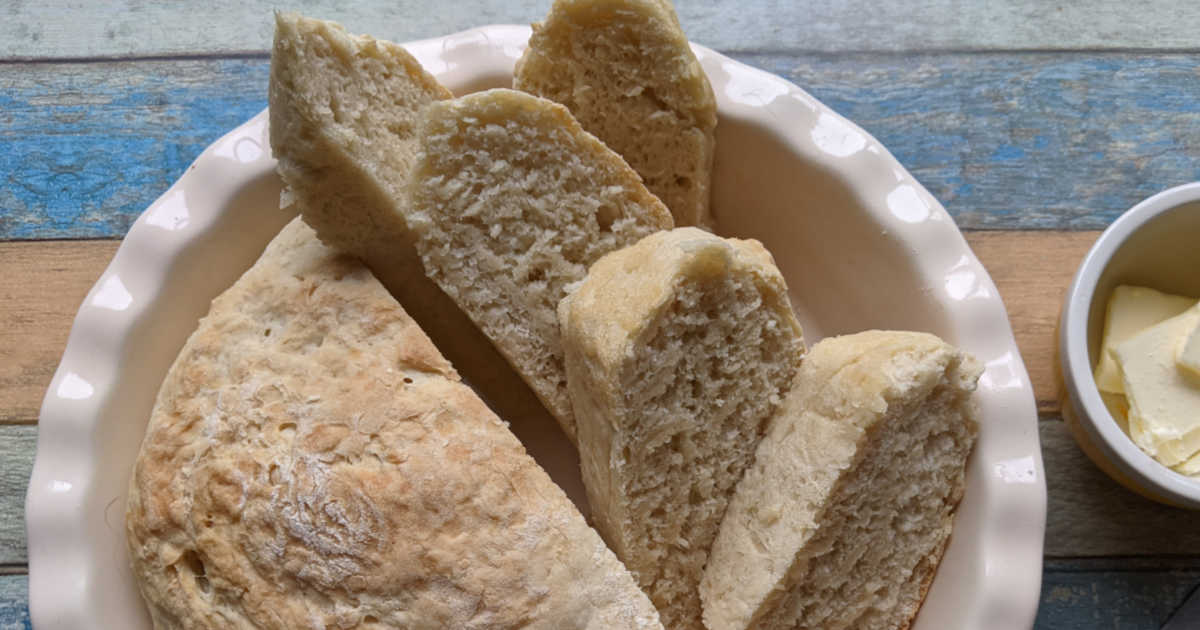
(312, 461)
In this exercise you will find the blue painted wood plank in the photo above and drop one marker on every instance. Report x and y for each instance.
(85, 147)
(1105, 595)
(1022, 140)
(1074, 596)
(1005, 140)
(14, 602)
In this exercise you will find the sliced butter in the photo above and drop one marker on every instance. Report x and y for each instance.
(1164, 405)
(1130, 311)
(1189, 352)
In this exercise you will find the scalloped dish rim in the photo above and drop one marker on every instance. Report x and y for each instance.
(989, 580)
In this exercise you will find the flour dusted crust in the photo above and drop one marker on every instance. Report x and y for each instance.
(625, 69)
(678, 350)
(313, 462)
(843, 518)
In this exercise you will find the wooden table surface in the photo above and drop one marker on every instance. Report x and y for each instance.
(1035, 123)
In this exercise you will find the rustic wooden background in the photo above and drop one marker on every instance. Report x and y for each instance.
(1035, 123)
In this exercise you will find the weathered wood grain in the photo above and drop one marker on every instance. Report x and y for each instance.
(86, 147)
(1006, 141)
(1090, 515)
(1075, 596)
(17, 446)
(42, 285)
(14, 602)
(128, 27)
(1113, 594)
(1032, 271)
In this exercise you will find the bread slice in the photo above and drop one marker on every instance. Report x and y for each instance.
(843, 518)
(625, 70)
(678, 350)
(313, 462)
(512, 201)
(344, 115)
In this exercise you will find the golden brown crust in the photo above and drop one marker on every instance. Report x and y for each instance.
(312, 461)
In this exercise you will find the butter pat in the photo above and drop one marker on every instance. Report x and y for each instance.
(1189, 352)
(1164, 404)
(1130, 311)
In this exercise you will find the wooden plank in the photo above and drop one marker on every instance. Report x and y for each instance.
(1075, 596)
(42, 285)
(129, 27)
(1090, 515)
(1006, 141)
(17, 446)
(84, 148)
(1111, 593)
(1032, 271)
(14, 602)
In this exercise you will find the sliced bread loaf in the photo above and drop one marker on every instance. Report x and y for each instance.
(843, 518)
(313, 462)
(678, 350)
(512, 201)
(344, 113)
(625, 70)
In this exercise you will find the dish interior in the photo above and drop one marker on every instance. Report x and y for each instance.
(860, 243)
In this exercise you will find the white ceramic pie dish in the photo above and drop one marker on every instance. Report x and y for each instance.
(861, 243)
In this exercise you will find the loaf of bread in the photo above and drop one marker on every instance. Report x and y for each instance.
(512, 201)
(842, 520)
(678, 350)
(625, 70)
(313, 462)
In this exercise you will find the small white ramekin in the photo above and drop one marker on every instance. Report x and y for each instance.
(1155, 244)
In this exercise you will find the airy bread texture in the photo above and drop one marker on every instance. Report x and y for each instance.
(625, 70)
(512, 201)
(843, 518)
(313, 462)
(343, 115)
(678, 350)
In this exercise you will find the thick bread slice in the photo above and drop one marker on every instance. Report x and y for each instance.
(313, 462)
(843, 518)
(512, 202)
(625, 70)
(678, 350)
(344, 114)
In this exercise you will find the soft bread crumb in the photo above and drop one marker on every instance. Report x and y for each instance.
(512, 201)
(678, 350)
(843, 518)
(625, 69)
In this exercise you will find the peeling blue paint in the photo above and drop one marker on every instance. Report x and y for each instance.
(1005, 140)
